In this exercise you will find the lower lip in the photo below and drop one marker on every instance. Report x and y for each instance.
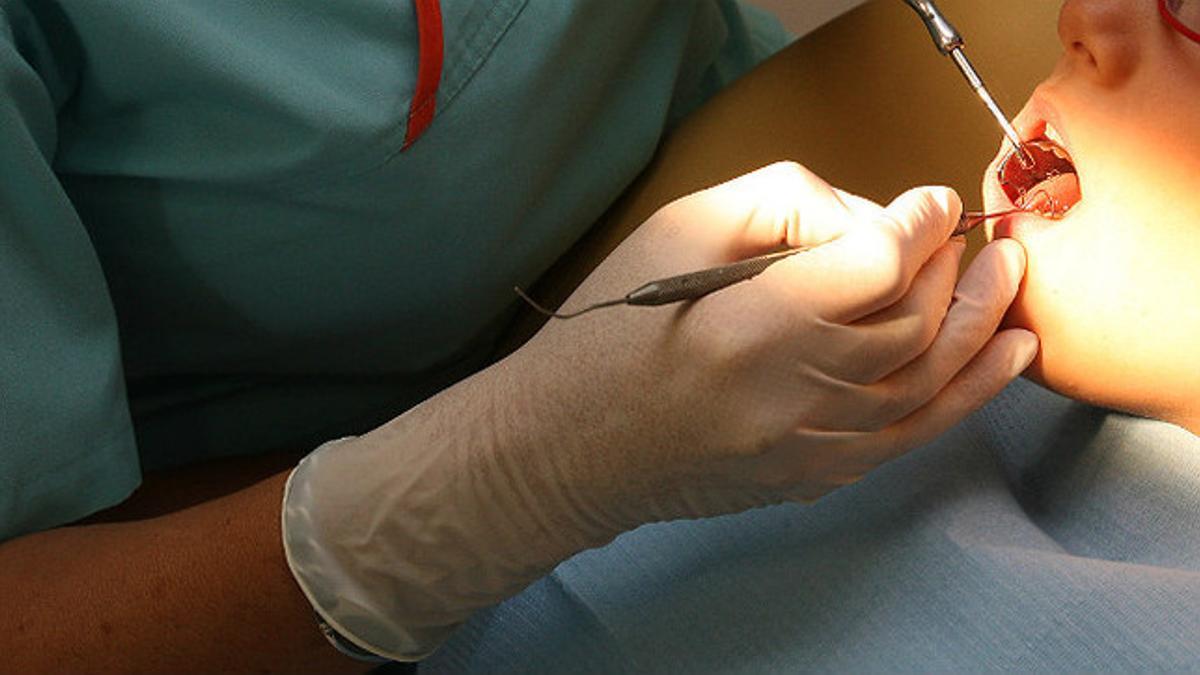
(1020, 225)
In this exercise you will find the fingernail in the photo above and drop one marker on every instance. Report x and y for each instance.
(1014, 263)
(948, 199)
(958, 245)
(1026, 350)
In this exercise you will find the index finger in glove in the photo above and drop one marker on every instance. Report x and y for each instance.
(873, 263)
(777, 205)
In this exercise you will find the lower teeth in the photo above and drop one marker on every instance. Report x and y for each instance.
(1042, 203)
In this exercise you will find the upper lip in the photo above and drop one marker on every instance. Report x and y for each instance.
(1031, 122)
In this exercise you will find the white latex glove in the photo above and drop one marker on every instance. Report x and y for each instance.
(787, 386)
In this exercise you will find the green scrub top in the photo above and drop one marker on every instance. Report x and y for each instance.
(211, 243)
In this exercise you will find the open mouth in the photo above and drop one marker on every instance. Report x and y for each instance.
(1049, 185)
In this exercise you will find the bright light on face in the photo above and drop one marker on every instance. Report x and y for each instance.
(1113, 287)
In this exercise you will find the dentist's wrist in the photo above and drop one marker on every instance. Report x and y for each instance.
(398, 536)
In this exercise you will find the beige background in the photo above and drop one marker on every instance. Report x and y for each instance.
(802, 16)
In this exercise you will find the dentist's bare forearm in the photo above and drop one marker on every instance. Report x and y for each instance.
(203, 589)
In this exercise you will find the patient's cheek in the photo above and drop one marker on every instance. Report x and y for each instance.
(1057, 302)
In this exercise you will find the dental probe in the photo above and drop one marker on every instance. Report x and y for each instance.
(970, 220)
(695, 285)
(950, 43)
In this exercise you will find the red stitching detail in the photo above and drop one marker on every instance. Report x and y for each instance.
(430, 47)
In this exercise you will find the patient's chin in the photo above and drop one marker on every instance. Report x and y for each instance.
(1080, 370)
(1035, 374)
(1101, 342)
(1063, 380)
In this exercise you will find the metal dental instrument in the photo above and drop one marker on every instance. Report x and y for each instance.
(695, 285)
(970, 220)
(950, 43)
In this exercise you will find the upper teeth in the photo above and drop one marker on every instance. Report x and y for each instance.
(1052, 134)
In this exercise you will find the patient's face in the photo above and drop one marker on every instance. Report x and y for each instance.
(1113, 289)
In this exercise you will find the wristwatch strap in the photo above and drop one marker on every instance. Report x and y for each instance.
(345, 646)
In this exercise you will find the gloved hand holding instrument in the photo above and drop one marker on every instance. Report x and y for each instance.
(783, 387)
(692, 285)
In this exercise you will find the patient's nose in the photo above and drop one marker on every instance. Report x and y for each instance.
(1101, 37)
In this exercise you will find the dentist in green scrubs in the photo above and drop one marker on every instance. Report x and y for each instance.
(234, 230)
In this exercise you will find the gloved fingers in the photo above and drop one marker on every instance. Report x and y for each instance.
(813, 462)
(783, 204)
(859, 207)
(870, 349)
(928, 215)
(871, 266)
(981, 299)
(810, 463)
(1005, 357)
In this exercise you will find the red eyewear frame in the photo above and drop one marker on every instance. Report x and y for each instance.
(1178, 25)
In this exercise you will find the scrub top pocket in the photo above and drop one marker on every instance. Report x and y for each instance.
(259, 96)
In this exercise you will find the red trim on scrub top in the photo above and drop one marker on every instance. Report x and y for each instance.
(429, 69)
